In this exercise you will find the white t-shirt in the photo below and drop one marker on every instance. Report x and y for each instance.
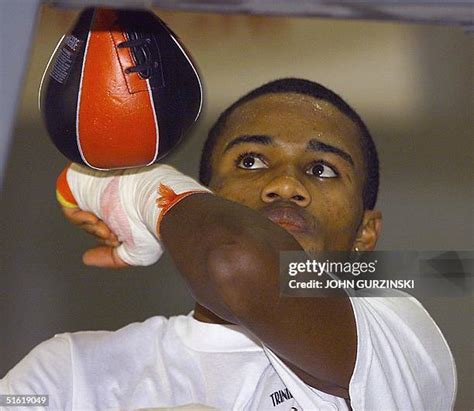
(403, 363)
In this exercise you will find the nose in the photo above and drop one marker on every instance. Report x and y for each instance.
(286, 187)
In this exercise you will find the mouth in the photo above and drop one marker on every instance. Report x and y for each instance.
(289, 218)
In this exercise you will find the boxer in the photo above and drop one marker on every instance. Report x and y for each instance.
(289, 166)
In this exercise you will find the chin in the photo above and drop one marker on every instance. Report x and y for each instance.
(307, 243)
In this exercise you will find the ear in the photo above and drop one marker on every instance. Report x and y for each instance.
(369, 231)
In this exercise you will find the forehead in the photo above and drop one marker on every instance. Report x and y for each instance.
(292, 118)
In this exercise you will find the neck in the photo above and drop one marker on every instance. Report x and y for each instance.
(206, 316)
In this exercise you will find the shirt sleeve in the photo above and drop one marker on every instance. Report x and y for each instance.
(45, 370)
(403, 361)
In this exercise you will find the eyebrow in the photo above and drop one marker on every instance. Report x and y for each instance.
(255, 138)
(316, 145)
(313, 145)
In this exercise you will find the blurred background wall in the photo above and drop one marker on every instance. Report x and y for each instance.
(412, 84)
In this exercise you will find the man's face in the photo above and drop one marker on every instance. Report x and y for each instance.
(298, 161)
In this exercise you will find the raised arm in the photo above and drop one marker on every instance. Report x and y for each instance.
(229, 255)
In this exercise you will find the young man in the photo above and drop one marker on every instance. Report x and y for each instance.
(290, 166)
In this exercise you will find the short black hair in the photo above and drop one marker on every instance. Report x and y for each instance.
(309, 88)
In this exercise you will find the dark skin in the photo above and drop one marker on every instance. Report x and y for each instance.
(288, 172)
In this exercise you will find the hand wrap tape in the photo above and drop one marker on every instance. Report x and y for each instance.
(131, 202)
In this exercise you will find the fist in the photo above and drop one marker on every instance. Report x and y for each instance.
(104, 204)
(101, 256)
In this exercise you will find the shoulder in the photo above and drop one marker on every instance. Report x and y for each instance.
(94, 349)
(53, 362)
(398, 315)
(402, 361)
(133, 333)
(82, 362)
(50, 354)
(46, 369)
(402, 351)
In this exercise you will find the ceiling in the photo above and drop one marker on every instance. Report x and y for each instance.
(449, 12)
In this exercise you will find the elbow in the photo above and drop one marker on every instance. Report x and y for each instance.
(242, 272)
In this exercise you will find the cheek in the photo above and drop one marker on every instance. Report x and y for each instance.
(338, 211)
(236, 190)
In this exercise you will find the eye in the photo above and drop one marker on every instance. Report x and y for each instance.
(322, 170)
(250, 161)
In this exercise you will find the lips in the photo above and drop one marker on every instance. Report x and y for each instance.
(290, 218)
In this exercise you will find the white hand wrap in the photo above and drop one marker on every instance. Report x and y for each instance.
(131, 202)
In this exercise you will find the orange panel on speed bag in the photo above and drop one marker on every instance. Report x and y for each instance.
(121, 90)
